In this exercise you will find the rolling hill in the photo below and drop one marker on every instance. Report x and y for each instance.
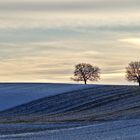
(77, 110)
(13, 94)
(90, 104)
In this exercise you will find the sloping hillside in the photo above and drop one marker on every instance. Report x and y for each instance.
(99, 103)
(13, 94)
(85, 113)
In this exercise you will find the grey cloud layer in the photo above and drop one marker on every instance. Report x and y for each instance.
(43, 34)
(70, 6)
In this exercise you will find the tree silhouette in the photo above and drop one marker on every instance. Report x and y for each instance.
(85, 72)
(133, 72)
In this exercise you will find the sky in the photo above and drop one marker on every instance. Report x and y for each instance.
(42, 40)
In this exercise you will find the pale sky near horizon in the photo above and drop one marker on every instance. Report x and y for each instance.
(42, 40)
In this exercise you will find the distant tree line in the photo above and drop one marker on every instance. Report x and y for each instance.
(86, 72)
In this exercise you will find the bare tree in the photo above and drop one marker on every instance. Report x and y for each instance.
(85, 72)
(133, 72)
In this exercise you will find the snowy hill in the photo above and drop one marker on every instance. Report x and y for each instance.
(90, 104)
(86, 112)
(18, 93)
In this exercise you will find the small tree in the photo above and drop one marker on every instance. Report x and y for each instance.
(133, 72)
(85, 72)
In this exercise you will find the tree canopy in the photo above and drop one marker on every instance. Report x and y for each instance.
(133, 72)
(86, 72)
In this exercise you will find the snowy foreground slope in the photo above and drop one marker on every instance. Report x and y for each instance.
(85, 113)
(114, 130)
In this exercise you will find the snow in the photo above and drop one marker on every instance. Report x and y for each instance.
(16, 94)
(61, 117)
(113, 130)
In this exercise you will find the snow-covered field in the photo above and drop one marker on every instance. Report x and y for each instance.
(15, 94)
(69, 112)
(114, 130)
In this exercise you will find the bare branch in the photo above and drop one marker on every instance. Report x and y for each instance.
(85, 72)
(133, 72)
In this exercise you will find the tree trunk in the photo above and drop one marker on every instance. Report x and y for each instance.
(138, 80)
(85, 82)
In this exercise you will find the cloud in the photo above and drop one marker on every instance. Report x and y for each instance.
(38, 61)
(69, 5)
(42, 40)
(134, 41)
